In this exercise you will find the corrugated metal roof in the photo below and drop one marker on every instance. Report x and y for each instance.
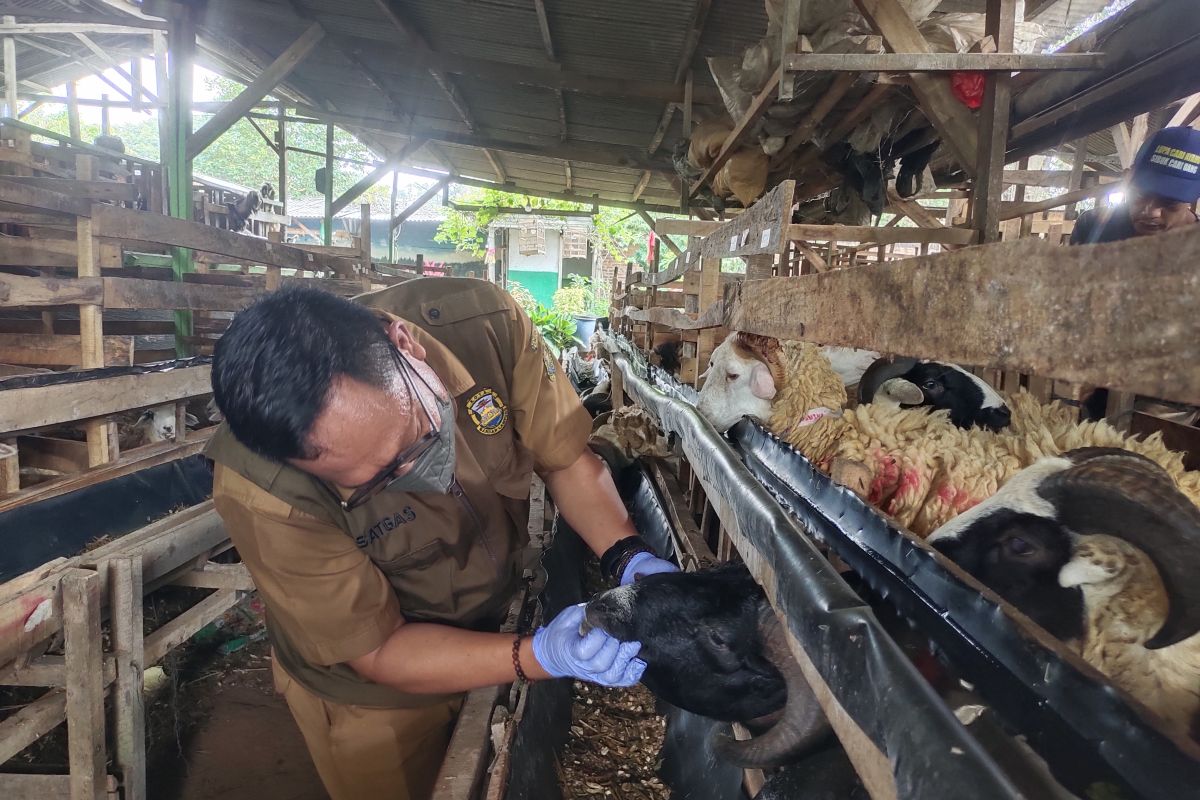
(606, 136)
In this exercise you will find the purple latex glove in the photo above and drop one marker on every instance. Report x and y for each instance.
(595, 656)
(644, 564)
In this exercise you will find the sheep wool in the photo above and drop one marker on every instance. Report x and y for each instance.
(809, 382)
(1126, 604)
(924, 470)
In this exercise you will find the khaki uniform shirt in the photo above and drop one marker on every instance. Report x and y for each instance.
(337, 583)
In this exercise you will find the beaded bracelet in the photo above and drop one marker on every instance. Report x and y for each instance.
(516, 659)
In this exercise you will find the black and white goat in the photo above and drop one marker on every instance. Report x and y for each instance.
(912, 383)
(1101, 549)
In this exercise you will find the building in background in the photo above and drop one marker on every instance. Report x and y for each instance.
(543, 251)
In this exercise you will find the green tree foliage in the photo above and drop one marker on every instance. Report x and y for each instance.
(582, 295)
(622, 234)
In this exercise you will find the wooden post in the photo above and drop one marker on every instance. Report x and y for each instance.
(392, 215)
(73, 111)
(420, 264)
(364, 236)
(85, 684)
(281, 141)
(10, 72)
(105, 122)
(993, 127)
(790, 31)
(161, 76)
(1076, 184)
(182, 46)
(129, 723)
(10, 468)
(710, 292)
(328, 215)
(759, 267)
(101, 434)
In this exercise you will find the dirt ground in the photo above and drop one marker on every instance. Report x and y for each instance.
(244, 744)
(220, 732)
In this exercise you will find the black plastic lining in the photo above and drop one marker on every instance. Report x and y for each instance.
(689, 766)
(546, 722)
(932, 755)
(32, 534)
(1085, 731)
(41, 379)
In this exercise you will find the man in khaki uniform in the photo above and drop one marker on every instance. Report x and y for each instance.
(373, 471)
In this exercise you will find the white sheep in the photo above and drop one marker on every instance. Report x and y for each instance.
(913, 464)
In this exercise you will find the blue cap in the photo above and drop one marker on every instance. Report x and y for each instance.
(1168, 165)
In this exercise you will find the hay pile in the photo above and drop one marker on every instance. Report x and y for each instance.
(614, 745)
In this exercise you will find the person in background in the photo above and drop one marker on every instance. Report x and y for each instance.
(1161, 192)
(1162, 188)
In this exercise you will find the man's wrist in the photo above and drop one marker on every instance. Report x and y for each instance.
(616, 558)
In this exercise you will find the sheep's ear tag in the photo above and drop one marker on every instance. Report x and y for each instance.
(762, 385)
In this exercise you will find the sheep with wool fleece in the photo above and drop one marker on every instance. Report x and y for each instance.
(1126, 603)
(915, 464)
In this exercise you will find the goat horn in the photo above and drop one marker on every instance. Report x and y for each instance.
(766, 349)
(901, 391)
(801, 725)
(1123, 494)
(880, 372)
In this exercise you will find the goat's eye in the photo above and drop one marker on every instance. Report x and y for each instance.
(929, 384)
(731, 376)
(1019, 547)
(717, 639)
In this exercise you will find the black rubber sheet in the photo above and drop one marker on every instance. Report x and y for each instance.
(688, 764)
(32, 534)
(81, 375)
(932, 755)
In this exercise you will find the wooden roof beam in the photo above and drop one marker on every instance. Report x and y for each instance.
(444, 82)
(497, 167)
(1187, 113)
(649, 220)
(59, 28)
(579, 152)
(695, 31)
(952, 119)
(548, 44)
(270, 77)
(761, 103)
(416, 205)
(941, 62)
(136, 86)
(514, 188)
(375, 175)
(641, 185)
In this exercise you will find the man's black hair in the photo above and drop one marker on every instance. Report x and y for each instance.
(273, 368)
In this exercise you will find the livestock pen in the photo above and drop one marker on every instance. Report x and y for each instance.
(895, 176)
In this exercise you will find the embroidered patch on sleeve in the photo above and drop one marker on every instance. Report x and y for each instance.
(487, 412)
(551, 364)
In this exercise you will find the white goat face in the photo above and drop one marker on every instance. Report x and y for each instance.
(735, 386)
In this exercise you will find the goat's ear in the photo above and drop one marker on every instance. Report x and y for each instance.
(762, 385)
(146, 416)
(190, 420)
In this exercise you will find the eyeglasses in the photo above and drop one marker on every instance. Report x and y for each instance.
(387, 476)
